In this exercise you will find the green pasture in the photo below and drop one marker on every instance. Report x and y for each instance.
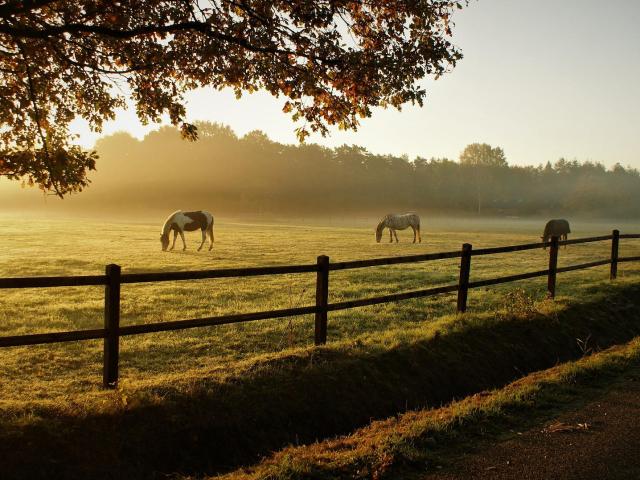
(62, 373)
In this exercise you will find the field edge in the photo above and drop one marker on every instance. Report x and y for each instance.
(420, 441)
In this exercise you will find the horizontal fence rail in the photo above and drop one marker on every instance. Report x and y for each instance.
(582, 266)
(586, 240)
(512, 248)
(629, 259)
(375, 262)
(508, 278)
(209, 321)
(394, 297)
(217, 273)
(113, 279)
(41, 282)
(53, 337)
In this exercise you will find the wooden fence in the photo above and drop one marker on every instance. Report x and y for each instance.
(113, 279)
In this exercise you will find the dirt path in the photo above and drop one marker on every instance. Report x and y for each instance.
(598, 441)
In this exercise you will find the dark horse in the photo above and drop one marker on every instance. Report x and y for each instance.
(556, 228)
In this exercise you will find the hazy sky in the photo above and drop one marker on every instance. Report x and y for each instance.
(541, 79)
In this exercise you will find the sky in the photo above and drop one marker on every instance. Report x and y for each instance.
(541, 79)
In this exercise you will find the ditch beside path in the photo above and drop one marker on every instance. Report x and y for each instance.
(600, 440)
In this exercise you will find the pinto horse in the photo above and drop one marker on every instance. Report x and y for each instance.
(190, 221)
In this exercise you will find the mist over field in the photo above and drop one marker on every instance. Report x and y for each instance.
(257, 177)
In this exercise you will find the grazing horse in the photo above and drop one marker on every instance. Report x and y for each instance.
(556, 228)
(395, 222)
(180, 221)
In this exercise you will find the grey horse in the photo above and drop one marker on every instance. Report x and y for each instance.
(395, 222)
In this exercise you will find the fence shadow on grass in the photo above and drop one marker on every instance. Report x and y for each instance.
(311, 395)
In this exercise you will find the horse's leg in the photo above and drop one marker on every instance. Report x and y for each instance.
(204, 237)
(414, 233)
(396, 235)
(390, 235)
(184, 244)
(175, 235)
(419, 236)
(211, 236)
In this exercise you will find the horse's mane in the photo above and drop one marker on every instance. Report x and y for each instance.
(168, 220)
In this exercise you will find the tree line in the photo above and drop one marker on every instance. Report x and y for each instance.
(255, 175)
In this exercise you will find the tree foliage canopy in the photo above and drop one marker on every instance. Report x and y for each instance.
(484, 160)
(333, 59)
(483, 155)
(253, 175)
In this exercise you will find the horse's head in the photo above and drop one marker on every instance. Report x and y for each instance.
(164, 240)
(379, 229)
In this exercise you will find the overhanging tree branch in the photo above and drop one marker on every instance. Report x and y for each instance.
(330, 74)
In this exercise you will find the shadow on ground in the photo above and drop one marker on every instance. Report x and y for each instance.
(312, 395)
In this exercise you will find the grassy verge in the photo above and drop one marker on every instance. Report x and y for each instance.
(418, 440)
(212, 421)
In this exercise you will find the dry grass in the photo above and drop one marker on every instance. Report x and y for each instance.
(177, 379)
(57, 247)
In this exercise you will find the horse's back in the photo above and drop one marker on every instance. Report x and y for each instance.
(556, 227)
(412, 218)
(198, 220)
(400, 221)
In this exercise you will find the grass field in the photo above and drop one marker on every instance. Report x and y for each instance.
(49, 373)
(211, 399)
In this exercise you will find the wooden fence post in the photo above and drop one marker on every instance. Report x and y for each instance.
(615, 241)
(322, 299)
(463, 282)
(553, 267)
(112, 325)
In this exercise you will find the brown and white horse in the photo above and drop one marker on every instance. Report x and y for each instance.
(190, 221)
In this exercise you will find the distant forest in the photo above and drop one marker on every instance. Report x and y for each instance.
(253, 174)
